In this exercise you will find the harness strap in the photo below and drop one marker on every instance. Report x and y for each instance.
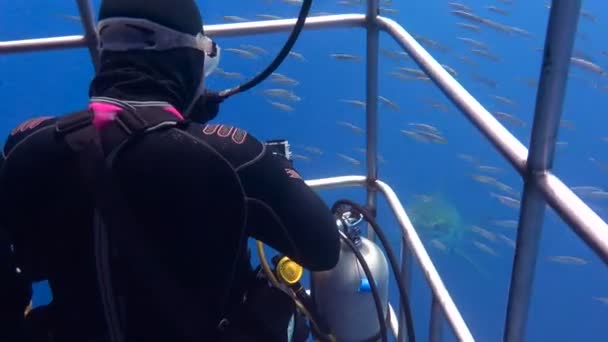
(113, 223)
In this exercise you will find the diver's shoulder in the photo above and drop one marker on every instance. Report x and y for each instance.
(232, 140)
(236, 135)
(26, 128)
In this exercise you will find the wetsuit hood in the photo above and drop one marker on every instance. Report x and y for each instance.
(172, 76)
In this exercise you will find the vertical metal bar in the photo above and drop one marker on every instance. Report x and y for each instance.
(406, 268)
(561, 32)
(88, 24)
(372, 104)
(436, 323)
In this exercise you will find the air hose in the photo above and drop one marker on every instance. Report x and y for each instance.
(291, 40)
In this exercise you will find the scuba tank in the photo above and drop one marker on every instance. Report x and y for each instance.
(343, 296)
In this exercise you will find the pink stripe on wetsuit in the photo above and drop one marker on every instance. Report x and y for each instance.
(104, 113)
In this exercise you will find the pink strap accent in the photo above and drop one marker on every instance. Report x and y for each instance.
(104, 113)
(174, 111)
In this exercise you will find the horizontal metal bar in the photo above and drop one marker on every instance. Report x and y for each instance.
(216, 31)
(513, 150)
(582, 219)
(282, 25)
(43, 44)
(440, 292)
(337, 182)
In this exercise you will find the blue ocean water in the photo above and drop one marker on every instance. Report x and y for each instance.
(565, 305)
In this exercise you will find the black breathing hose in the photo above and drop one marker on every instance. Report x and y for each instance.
(372, 283)
(293, 37)
(403, 294)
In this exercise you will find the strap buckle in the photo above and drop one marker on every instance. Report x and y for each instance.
(131, 122)
(74, 122)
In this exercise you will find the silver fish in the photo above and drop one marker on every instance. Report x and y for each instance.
(228, 74)
(567, 260)
(395, 55)
(390, 104)
(496, 9)
(282, 79)
(346, 57)
(254, 49)
(282, 106)
(401, 76)
(281, 93)
(234, 19)
(386, 10)
(507, 240)
(299, 157)
(426, 127)
(506, 200)
(486, 54)
(469, 27)
(484, 248)
(351, 126)
(297, 56)
(433, 137)
(490, 169)
(460, 6)
(587, 65)
(474, 42)
(484, 179)
(603, 300)
(504, 100)
(293, 2)
(468, 15)
(268, 16)
(486, 234)
(242, 53)
(412, 71)
(415, 135)
(357, 103)
(505, 117)
(438, 245)
(450, 70)
(351, 160)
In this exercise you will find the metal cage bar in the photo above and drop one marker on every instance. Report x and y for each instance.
(541, 184)
(559, 42)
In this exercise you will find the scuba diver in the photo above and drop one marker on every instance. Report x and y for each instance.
(148, 242)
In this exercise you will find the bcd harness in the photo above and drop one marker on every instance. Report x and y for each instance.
(113, 222)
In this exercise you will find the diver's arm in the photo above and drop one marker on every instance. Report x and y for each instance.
(288, 215)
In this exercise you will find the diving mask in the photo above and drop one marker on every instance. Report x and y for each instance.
(125, 34)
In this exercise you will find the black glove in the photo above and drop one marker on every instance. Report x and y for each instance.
(15, 292)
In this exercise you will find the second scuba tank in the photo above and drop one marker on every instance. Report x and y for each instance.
(342, 295)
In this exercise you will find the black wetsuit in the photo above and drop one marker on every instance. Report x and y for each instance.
(186, 188)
